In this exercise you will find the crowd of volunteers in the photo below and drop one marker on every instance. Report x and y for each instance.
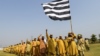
(70, 45)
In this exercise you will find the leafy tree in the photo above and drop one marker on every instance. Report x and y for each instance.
(99, 37)
(93, 38)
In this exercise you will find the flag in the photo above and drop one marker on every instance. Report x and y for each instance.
(57, 10)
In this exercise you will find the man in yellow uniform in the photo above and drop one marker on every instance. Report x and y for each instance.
(9, 49)
(15, 49)
(31, 48)
(72, 47)
(61, 46)
(5, 49)
(34, 47)
(51, 45)
(28, 48)
(23, 48)
(19, 49)
(57, 49)
(42, 46)
(38, 47)
(66, 45)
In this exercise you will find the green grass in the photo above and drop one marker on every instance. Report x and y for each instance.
(6, 54)
(94, 51)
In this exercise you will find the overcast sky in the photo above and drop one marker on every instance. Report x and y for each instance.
(21, 19)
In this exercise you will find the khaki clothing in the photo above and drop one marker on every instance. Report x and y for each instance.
(80, 44)
(87, 43)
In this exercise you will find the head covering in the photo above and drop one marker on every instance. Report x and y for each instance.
(80, 35)
(69, 34)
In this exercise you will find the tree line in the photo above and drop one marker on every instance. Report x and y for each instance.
(94, 39)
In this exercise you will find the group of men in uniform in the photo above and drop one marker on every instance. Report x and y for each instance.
(51, 47)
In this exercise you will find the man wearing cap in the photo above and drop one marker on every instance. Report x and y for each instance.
(80, 44)
(23, 48)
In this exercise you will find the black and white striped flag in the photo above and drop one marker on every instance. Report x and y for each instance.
(57, 10)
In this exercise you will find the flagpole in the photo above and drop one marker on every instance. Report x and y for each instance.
(71, 25)
(71, 22)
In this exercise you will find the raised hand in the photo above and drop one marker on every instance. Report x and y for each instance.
(39, 35)
(46, 30)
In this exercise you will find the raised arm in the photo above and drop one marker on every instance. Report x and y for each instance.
(47, 35)
(39, 36)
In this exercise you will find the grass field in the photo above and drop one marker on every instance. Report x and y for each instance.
(94, 51)
(6, 54)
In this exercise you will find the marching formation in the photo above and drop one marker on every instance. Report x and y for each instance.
(51, 47)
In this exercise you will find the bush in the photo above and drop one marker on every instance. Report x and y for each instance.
(93, 38)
